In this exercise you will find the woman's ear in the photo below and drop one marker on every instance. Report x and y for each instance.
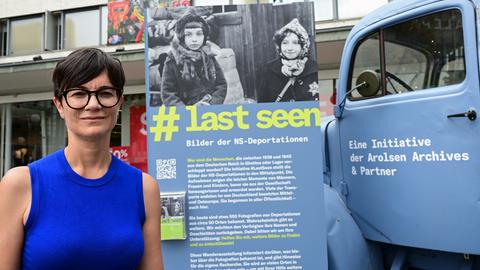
(59, 106)
(122, 99)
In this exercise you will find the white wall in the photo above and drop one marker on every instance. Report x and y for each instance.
(13, 8)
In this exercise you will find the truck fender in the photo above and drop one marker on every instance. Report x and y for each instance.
(347, 248)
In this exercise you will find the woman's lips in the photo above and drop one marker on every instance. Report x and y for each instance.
(93, 118)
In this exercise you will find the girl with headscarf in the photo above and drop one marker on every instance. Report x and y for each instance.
(191, 74)
(292, 76)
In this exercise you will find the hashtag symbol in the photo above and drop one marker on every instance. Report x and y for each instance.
(165, 118)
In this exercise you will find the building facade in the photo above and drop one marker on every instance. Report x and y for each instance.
(34, 35)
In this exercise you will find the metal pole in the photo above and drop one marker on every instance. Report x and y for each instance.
(2, 139)
(43, 127)
(8, 136)
(335, 10)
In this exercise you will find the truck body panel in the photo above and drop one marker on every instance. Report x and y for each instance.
(405, 159)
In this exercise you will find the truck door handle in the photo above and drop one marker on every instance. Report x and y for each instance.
(471, 115)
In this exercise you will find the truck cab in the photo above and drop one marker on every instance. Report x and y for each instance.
(402, 154)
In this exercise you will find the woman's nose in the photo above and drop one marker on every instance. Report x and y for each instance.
(93, 102)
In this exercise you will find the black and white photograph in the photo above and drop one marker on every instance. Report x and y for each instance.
(173, 205)
(236, 54)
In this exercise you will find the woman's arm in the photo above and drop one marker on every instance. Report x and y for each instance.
(152, 257)
(15, 198)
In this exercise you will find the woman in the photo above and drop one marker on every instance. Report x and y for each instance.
(292, 76)
(81, 208)
(191, 75)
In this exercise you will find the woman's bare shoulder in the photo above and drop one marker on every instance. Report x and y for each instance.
(14, 198)
(15, 194)
(150, 186)
(16, 180)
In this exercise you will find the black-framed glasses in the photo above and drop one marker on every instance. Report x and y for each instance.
(77, 98)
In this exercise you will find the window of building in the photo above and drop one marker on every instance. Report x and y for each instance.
(57, 30)
(82, 29)
(349, 9)
(210, 2)
(241, 2)
(431, 55)
(324, 10)
(26, 36)
(337, 9)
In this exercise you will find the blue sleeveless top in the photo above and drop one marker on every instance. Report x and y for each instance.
(79, 223)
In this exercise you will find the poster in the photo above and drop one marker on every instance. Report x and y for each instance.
(125, 22)
(126, 18)
(233, 122)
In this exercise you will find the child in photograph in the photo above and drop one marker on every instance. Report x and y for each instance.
(191, 74)
(292, 76)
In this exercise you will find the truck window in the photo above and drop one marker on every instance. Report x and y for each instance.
(418, 54)
(367, 57)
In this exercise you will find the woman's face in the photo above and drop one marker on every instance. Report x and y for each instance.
(290, 46)
(93, 121)
(194, 38)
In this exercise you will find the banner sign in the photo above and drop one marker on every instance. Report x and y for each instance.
(249, 168)
(126, 18)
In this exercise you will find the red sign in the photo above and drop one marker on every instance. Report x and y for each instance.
(121, 152)
(326, 106)
(138, 137)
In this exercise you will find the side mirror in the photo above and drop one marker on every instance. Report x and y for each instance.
(369, 82)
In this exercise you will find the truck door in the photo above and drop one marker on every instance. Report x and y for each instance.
(409, 132)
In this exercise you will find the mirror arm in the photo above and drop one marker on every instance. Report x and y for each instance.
(338, 109)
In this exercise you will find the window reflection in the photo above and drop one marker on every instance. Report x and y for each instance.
(82, 29)
(26, 36)
(367, 57)
(432, 56)
(36, 131)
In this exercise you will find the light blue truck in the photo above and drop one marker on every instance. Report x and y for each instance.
(402, 153)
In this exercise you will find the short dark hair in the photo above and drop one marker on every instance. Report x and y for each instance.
(82, 66)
